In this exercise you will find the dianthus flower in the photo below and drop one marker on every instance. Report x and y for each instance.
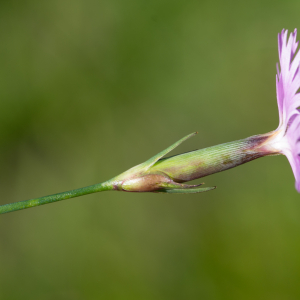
(286, 138)
(168, 175)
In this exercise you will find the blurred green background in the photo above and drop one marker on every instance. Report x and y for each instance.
(91, 88)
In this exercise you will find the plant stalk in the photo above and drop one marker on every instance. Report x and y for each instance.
(100, 187)
(166, 175)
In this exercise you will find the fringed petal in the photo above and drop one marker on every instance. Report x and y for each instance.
(288, 100)
(288, 77)
(292, 150)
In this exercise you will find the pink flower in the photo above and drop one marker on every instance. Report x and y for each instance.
(286, 138)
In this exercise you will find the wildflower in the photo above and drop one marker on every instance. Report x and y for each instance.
(167, 175)
(286, 137)
(284, 140)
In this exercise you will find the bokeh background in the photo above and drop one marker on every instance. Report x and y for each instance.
(91, 88)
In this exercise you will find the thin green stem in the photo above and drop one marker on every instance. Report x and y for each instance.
(105, 186)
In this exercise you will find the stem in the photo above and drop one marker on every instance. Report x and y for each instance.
(104, 186)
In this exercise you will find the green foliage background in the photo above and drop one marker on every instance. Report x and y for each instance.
(91, 88)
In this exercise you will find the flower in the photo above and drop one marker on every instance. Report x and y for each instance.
(286, 137)
(168, 174)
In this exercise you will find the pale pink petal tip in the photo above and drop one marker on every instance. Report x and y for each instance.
(297, 186)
